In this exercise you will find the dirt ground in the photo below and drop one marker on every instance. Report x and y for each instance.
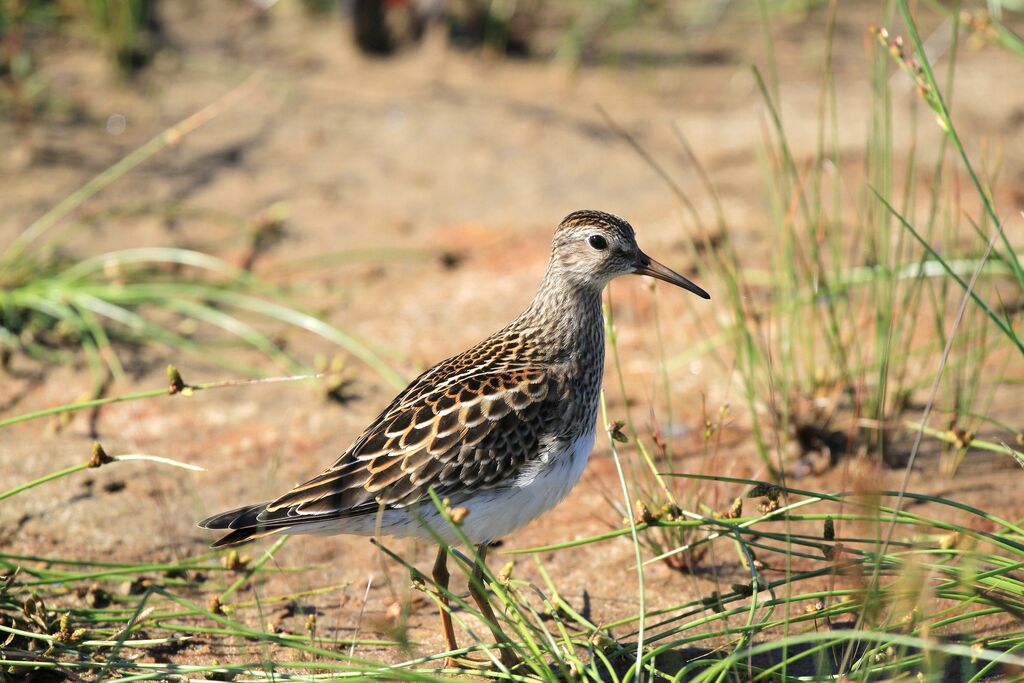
(394, 167)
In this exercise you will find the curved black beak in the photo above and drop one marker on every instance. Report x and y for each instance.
(647, 266)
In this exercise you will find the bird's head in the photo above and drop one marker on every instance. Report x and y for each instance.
(592, 248)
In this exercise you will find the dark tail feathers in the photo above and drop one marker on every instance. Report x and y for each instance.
(244, 524)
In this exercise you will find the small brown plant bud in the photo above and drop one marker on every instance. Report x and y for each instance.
(961, 437)
(215, 605)
(815, 606)
(458, 515)
(234, 562)
(99, 456)
(64, 631)
(735, 510)
(644, 514)
(615, 429)
(175, 384)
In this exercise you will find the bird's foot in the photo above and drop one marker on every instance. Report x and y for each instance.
(508, 659)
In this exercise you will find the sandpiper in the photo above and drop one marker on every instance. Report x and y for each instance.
(502, 430)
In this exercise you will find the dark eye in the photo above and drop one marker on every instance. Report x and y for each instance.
(598, 242)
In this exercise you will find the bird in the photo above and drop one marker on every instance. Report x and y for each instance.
(501, 431)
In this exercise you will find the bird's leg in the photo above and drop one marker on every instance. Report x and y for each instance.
(478, 590)
(441, 577)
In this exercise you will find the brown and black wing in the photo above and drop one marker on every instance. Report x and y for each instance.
(461, 433)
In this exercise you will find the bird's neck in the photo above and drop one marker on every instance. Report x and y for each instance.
(564, 320)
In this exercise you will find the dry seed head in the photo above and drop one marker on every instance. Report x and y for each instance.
(215, 605)
(234, 562)
(505, 574)
(962, 437)
(458, 515)
(913, 69)
(34, 610)
(615, 429)
(735, 510)
(175, 384)
(99, 456)
(64, 632)
(643, 513)
(670, 512)
(829, 533)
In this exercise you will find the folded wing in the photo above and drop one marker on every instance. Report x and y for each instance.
(459, 434)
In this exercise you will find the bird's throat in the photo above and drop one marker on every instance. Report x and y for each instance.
(565, 320)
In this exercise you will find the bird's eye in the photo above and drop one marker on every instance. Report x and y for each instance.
(598, 242)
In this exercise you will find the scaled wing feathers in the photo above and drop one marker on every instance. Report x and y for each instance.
(458, 434)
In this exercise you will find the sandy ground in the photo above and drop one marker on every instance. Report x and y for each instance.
(400, 162)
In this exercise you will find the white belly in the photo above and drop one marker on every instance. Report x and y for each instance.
(492, 513)
(538, 488)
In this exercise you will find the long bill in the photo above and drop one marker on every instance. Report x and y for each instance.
(648, 266)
